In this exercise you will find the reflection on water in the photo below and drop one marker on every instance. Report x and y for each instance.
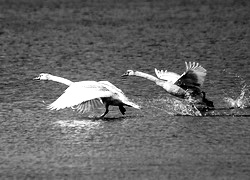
(78, 126)
(78, 130)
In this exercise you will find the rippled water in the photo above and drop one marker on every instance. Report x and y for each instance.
(100, 41)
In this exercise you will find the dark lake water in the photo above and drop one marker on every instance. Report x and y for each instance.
(97, 40)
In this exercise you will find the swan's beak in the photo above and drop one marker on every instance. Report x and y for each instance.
(124, 75)
(36, 78)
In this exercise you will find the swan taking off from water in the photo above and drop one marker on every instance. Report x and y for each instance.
(86, 94)
(175, 84)
(185, 86)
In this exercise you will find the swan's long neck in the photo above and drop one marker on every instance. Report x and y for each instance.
(147, 76)
(169, 87)
(152, 78)
(60, 80)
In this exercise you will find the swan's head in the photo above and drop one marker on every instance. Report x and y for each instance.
(128, 73)
(43, 76)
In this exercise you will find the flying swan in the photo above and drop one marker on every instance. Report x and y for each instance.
(184, 86)
(86, 94)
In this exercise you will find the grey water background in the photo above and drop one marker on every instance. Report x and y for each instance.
(100, 40)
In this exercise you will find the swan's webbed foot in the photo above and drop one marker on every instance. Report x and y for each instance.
(122, 109)
(95, 118)
(106, 112)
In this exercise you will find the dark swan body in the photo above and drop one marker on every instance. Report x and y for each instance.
(205, 104)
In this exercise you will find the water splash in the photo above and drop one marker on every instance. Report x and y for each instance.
(242, 101)
(237, 101)
(174, 106)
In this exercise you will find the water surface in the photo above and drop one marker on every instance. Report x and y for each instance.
(100, 41)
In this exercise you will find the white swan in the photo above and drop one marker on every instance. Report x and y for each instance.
(84, 95)
(186, 85)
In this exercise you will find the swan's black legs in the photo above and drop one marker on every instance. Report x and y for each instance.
(106, 112)
(122, 109)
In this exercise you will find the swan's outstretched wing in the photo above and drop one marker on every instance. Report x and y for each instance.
(79, 93)
(88, 105)
(193, 77)
(167, 76)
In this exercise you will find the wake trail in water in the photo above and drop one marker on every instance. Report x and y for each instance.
(175, 107)
(171, 106)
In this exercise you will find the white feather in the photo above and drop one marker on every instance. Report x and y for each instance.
(168, 76)
(78, 93)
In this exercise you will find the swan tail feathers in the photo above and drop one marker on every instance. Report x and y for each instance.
(131, 104)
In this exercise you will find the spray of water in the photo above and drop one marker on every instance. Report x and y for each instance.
(242, 100)
(174, 107)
